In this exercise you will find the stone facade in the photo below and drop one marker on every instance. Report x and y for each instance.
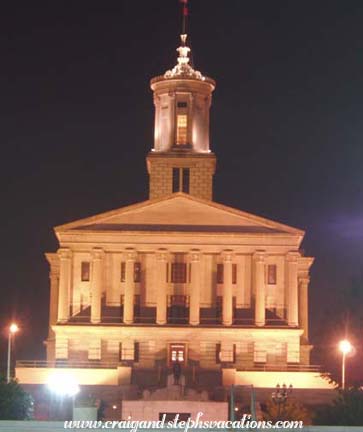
(160, 169)
(240, 297)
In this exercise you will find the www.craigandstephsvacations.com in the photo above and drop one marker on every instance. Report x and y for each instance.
(246, 422)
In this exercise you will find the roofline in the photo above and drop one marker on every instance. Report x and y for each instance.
(146, 203)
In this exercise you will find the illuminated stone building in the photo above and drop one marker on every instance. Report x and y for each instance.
(178, 277)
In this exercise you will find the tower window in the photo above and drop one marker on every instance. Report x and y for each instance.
(234, 274)
(181, 129)
(137, 272)
(178, 273)
(85, 271)
(176, 180)
(220, 274)
(271, 274)
(181, 180)
(185, 178)
(123, 271)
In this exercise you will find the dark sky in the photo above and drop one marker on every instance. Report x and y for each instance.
(77, 122)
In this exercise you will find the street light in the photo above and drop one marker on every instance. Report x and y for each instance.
(280, 396)
(345, 347)
(13, 328)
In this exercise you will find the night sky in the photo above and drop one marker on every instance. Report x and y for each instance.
(77, 123)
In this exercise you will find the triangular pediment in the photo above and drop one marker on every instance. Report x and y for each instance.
(179, 212)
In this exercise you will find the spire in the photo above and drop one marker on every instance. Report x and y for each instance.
(183, 69)
(185, 14)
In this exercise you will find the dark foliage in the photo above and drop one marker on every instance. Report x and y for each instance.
(15, 403)
(346, 409)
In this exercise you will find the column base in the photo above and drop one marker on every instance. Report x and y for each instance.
(293, 324)
(260, 323)
(194, 323)
(227, 323)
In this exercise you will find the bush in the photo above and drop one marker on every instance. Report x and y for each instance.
(15, 403)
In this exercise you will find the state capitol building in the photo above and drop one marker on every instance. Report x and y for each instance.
(178, 278)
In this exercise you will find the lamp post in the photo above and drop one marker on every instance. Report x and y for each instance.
(345, 347)
(280, 395)
(13, 328)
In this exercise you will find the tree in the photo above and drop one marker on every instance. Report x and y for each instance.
(15, 403)
(346, 409)
(291, 410)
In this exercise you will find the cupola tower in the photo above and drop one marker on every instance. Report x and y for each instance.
(181, 159)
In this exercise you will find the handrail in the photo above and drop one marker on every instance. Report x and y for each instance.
(66, 364)
(281, 368)
(99, 364)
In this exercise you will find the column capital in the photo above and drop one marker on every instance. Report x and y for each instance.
(293, 256)
(64, 253)
(130, 254)
(227, 255)
(259, 256)
(97, 254)
(194, 255)
(304, 280)
(162, 255)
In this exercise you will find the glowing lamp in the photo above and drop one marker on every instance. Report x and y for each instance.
(63, 384)
(345, 346)
(13, 328)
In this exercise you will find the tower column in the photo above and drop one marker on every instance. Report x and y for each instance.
(96, 285)
(65, 274)
(292, 289)
(129, 296)
(227, 304)
(303, 305)
(161, 285)
(194, 304)
(259, 282)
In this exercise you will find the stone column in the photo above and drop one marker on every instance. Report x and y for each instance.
(259, 281)
(161, 286)
(303, 305)
(129, 296)
(96, 285)
(292, 289)
(227, 304)
(194, 303)
(65, 275)
(53, 260)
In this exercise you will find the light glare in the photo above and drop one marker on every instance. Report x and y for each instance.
(63, 384)
(13, 328)
(345, 346)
